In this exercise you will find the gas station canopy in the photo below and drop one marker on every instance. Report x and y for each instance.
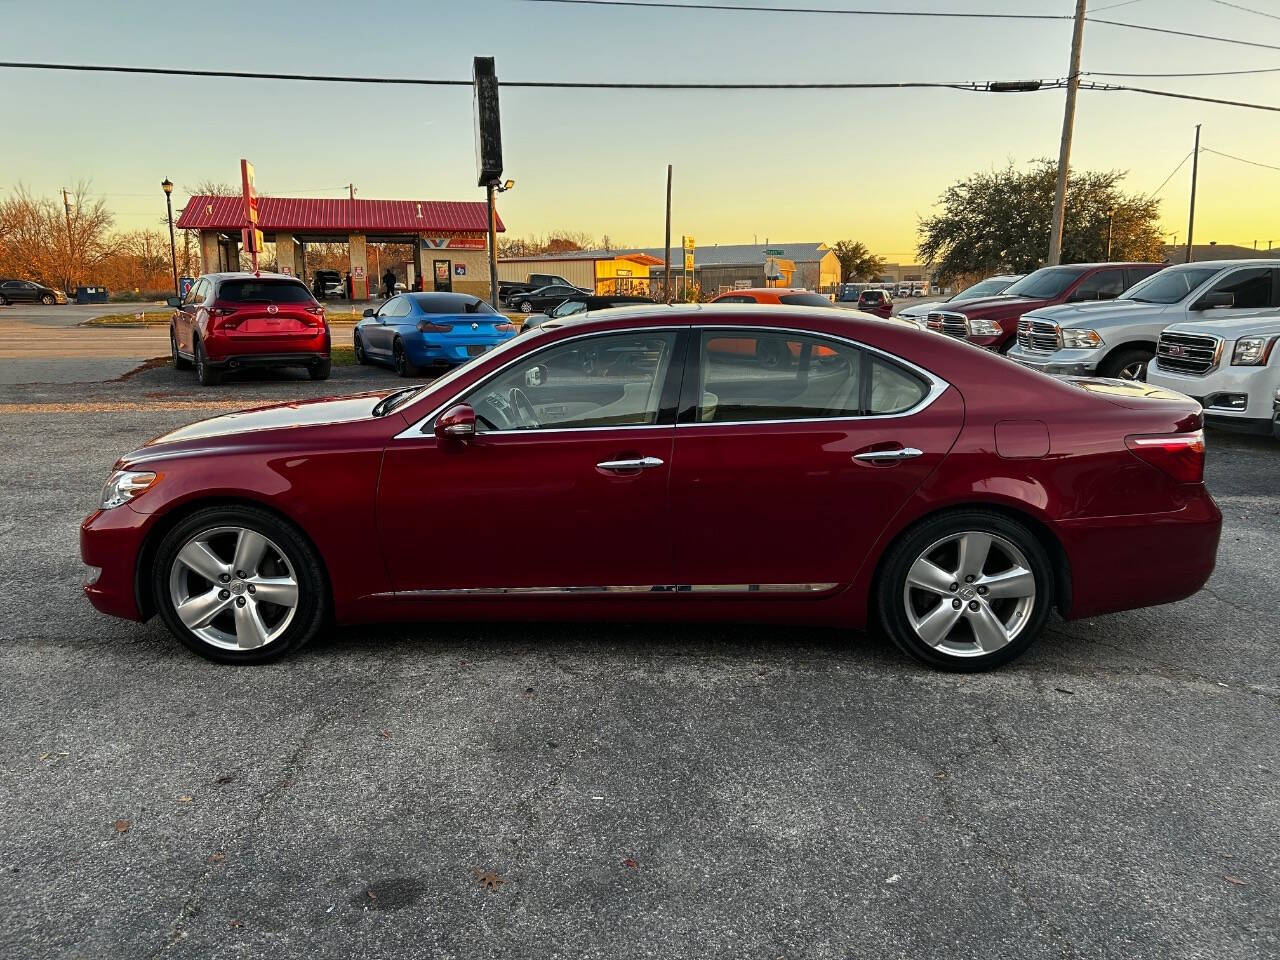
(317, 217)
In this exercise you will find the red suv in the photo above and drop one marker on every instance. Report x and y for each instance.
(232, 320)
(992, 322)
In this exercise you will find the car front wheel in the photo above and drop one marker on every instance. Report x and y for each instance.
(359, 349)
(1127, 364)
(526, 306)
(48, 300)
(966, 591)
(239, 585)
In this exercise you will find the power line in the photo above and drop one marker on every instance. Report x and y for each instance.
(1252, 163)
(1186, 33)
(1165, 182)
(1203, 73)
(1237, 6)
(1123, 3)
(973, 86)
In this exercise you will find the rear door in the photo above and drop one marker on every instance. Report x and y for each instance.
(785, 473)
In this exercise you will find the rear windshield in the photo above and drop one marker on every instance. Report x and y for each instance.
(1045, 283)
(804, 300)
(451, 303)
(262, 291)
(1169, 286)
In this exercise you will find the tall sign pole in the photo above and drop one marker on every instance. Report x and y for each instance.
(1064, 148)
(250, 235)
(71, 254)
(484, 85)
(1195, 170)
(666, 281)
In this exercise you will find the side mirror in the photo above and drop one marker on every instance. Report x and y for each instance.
(1211, 300)
(369, 312)
(456, 423)
(174, 302)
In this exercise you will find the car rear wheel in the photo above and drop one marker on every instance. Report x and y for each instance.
(179, 361)
(1127, 364)
(320, 371)
(404, 366)
(359, 349)
(4, 301)
(207, 376)
(239, 585)
(526, 306)
(48, 299)
(966, 591)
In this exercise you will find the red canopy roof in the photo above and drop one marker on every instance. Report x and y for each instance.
(307, 215)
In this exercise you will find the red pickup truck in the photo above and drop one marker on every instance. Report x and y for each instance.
(992, 322)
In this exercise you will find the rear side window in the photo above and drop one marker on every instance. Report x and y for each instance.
(735, 298)
(749, 375)
(893, 388)
(260, 291)
(804, 300)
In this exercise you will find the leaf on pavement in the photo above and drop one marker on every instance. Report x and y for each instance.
(1236, 880)
(122, 826)
(488, 879)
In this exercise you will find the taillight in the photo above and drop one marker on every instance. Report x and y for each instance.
(220, 311)
(505, 327)
(1180, 455)
(316, 310)
(427, 326)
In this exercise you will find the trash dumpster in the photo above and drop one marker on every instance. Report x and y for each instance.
(91, 294)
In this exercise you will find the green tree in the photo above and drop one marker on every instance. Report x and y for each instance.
(1000, 220)
(857, 262)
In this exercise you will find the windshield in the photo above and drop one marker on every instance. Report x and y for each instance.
(1169, 286)
(983, 288)
(1045, 284)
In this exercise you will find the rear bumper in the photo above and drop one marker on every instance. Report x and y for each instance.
(110, 542)
(426, 353)
(1120, 563)
(221, 349)
(241, 360)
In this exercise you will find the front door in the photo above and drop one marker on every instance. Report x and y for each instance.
(379, 336)
(443, 275)
(792, 454)
(563, 488)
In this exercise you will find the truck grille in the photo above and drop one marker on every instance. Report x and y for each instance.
(1043, 336)
(952, 324)
(1187, 353)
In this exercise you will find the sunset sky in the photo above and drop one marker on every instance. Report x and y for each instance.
(792, 166)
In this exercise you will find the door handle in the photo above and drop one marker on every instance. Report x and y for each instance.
(889, 456)
(641, 463)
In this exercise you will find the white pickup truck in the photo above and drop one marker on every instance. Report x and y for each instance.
(1231, 366)
(1118, 337)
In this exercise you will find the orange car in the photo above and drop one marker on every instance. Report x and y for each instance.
(787, 296)
(769, 353)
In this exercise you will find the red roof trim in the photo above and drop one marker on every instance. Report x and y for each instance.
(314, 215)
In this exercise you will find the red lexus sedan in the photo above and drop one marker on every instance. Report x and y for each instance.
(638, 464)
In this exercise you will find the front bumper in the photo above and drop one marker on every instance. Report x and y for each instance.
(111, 540)
(1073, 363)
(1221, 390)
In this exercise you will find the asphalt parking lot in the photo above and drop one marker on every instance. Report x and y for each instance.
(551, 790)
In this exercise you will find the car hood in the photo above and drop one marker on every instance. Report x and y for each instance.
(1000, 305)
(259, 421)
(1099, 314)
(1262, 324)
(920, 309)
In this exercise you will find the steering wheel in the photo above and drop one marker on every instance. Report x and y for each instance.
(524, 408)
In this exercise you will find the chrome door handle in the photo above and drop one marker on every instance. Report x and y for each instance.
(643, 463)
(888, 456)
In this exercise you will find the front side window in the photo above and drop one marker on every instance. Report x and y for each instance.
(1103, 285)
(1169, 286)
(395, 307)
(1250, 289)
(612, 380)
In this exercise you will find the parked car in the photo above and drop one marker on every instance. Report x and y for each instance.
(876, 301)
(1230, 366)
(917, 471)
(329, 285)
(538, 300)
(25, 291)
(990, 287)
(1118, 339)
(581, 304)
(992, 322)
(509, 289)
(786, 296)
(414, 331)
(230, 321)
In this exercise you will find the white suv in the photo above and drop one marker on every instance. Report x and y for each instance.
(1231, 366)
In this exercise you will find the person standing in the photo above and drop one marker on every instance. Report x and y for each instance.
(349, 288)
(389, 283)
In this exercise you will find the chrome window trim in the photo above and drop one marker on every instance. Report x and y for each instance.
(937, 386)
(797, 589)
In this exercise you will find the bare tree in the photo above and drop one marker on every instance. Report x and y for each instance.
(43, 240)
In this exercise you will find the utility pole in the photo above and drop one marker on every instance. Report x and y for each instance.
(493, 246)
(1064, 149)
(1111, 219)
(1195, 169)
(351, 191)
(66, 206)
(666, 282)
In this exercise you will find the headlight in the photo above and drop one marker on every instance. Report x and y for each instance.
(1080, 339)
(984, 328)
(1252, 351)
(123, 485)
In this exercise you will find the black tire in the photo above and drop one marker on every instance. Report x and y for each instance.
(320, 371)
(4, 301)
(312, 607)
(1128, 364)
(179, 361)
(526, 306)
(400, 360)
(892, 598)
(207, 375)
(359, 349)
(48, 299)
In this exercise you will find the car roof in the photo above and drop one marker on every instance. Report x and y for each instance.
(247, 275)
(713, 314)
(1220, 264)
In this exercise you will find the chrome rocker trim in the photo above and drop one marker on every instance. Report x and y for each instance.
(799, 589)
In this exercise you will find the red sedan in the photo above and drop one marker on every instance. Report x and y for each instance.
(636, 463)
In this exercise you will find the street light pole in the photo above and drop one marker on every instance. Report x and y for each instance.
(1111, 219)
(1195, 170)
(1064, 148)
(167, 186)
(71, 256)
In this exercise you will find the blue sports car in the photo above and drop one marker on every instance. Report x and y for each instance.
(417, 330)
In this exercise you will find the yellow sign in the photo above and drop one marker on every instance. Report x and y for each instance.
(687, 243)
(688, 261)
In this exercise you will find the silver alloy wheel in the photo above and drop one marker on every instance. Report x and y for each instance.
(233, 588)
(969, 594)
(1134, 371)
